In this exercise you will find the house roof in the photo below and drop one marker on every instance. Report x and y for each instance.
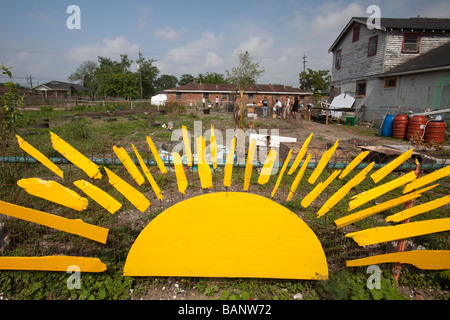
(60, 85)
(438, 24)
(434, 60)
(227, 88)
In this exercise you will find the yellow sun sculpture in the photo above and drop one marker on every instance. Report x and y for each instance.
(228, 234)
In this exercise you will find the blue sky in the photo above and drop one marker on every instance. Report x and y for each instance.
(193, 37)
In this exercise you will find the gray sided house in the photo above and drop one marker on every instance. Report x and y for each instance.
(403, 66)
(61, 88)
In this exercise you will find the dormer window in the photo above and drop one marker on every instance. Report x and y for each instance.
(411, 43)
(356, 30)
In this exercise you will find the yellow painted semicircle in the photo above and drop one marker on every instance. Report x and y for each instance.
(228, 234)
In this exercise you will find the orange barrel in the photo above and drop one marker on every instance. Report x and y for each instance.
(435, 131)
(400, 124)
(416, 125)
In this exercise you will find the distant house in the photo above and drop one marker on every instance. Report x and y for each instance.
(402, 66)
(61, 88)
(193, 93)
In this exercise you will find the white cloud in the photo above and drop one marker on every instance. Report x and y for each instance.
(144, 12)
(111, 48)
(256, 45)
(168, 33)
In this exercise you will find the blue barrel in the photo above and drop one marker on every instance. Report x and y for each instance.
(388, 126)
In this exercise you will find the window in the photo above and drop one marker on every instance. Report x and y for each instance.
(224, 96)
(337, 59)
(206, 96)
(356, 33)
(179, 96)
(361, 88)
(373, 44)
(390, 83)
(411, 43)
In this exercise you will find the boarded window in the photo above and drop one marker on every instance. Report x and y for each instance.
(411, 43)
(337, 59)
(356, 33)
(373, 44)
(361, 88)
(390, 83)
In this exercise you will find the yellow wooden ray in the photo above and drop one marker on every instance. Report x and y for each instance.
(266, 170)
(134, 196)
(424, 207)
(148, 174)
(318, 189)
(249, 164)
(344, 221)
(228, 170)
(99, 196)
(371, 194)
(179, 172)
(352, 165)
(227, 234)
(433, 176)
(388, 168)
(401, 231)
(187, 146)
(204, 171)
(213, 146)
(342, 192)
(300, 155)
(323, 162)
(422, 259)
(53, 191)
(298, 178)
(280, 175)
(156, 155)
(76, 157)
(132, 169)
(52, 263)
(28, 148)
(74, 226)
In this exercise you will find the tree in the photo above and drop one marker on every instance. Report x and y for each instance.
(316, 81)
(149, 75)
(84, 74)
(243, 76)
(165, 81)
(186, 79)
(211, 77)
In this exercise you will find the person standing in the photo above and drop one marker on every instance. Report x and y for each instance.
(295, 107)
(265, 107)
(287, 108)
(278, 107)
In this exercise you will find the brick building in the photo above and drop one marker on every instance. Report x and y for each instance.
(193, 93)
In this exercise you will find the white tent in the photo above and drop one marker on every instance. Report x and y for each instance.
(159, 100)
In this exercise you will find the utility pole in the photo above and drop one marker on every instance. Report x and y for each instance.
(30, 81)
(140, 72)
(304, 71)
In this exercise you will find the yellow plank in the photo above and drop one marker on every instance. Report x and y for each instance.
(179, 172)
(228, 170)
(52, 263)
(433, 176)
(401, 231)
(371, 194)
(344, 221)
(213, 146)
(134, 196)
(298, 178)
(53, 191)
(388, 168)
(204, 171)
(280, 175)
(352, 165)
(187, 146)
(74, 226)
(422, 259)
(76, 157)
(415, 210)
(99, 196)
(318, 189)
(266, 170)
(323, 162)
(132, 169)
(148, 174)
(227, 234)
(342, 192)
(249, 164)
(300, 155)
(156, 155)
(32, 151)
